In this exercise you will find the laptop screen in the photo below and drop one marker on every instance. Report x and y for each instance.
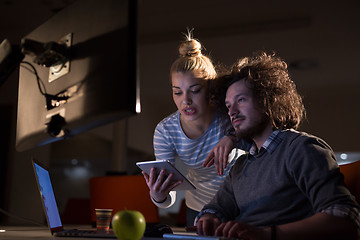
(47, 196)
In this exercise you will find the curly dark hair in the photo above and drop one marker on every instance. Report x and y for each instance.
(267, 75)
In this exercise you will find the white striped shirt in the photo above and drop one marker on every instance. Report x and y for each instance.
(170, 141)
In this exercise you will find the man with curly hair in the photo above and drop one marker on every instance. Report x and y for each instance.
(289, 185)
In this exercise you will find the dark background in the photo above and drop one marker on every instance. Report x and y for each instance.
(319, 40)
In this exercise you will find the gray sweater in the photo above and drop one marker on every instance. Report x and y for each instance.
(291, 180)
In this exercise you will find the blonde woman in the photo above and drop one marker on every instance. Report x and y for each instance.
(191, 133)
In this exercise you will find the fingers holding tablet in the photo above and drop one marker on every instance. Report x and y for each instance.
(164, 175)
(160, 183)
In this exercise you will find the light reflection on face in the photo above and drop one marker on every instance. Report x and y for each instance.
(190, 95)
(246, 117)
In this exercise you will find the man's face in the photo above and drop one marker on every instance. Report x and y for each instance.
(245, 115)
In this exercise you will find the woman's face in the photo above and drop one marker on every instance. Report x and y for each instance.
(190, 94)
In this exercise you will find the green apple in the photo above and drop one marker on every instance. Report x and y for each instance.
(128, 225)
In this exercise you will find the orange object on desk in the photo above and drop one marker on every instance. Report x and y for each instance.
(351, 172)
(128, 192)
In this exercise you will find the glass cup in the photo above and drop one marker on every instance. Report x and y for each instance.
(103, 219)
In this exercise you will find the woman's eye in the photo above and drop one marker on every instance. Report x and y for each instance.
(177, 93)
(196, 91)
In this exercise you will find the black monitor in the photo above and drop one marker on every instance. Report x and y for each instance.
(86, 76)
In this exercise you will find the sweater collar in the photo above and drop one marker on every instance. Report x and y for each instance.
(270, 144)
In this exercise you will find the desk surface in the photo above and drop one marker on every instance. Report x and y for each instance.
(32, 233)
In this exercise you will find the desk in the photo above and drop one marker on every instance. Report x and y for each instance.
(35, 233)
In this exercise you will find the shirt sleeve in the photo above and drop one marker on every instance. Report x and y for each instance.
(164, 150)
(163, 147)
(344, 212)
(317, 174)
(169, 201)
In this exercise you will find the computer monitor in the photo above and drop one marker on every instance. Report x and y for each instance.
(95, 85)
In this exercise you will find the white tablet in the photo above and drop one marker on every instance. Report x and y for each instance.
(170, 168)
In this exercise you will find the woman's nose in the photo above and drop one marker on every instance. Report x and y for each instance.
(187, 99)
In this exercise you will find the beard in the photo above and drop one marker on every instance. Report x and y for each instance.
(255, 128)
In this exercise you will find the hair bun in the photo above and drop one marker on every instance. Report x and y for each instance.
(190, 48)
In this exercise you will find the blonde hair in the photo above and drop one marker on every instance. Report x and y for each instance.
(191, 59)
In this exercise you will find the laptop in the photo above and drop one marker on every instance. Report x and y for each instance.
(52, 212)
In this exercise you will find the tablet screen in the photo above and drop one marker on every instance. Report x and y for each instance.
(170, 168)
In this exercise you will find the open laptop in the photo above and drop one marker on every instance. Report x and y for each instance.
(51, 210)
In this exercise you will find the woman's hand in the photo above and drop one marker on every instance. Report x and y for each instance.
(220, 153)
(160, 184)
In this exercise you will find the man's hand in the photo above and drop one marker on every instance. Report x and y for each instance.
(220, 153)
(241, 230)
(207, 224)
